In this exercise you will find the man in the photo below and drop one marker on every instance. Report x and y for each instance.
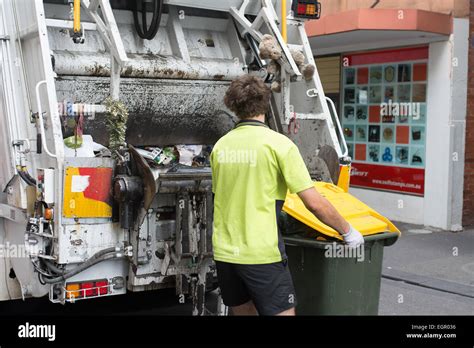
(253, 167)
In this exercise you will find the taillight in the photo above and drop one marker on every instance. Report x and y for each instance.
(87, 289)
(310, 10)
(301, 9)
(307, 9)
(102, 287)
(72, 291)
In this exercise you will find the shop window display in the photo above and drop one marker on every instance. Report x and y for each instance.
(365, 89)
(384, 116)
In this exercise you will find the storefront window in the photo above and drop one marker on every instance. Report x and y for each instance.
(384, 117)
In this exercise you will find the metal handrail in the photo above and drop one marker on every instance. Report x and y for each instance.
(41, 120)
(339, 128)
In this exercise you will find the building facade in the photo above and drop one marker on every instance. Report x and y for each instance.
(468, 207)
(398, 71)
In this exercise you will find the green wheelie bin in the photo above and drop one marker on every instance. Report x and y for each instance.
(327, 282)
(329, 277)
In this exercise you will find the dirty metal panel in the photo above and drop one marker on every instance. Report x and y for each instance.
(151, 66)
(310, 137)
(81, 241)
(162, 112)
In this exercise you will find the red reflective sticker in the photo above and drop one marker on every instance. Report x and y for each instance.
(100, 182)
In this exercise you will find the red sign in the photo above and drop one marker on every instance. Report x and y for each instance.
(397, 179)
(387, 56)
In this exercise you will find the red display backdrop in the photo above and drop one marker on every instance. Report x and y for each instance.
(389, 178)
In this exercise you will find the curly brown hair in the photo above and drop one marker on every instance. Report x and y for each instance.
(248, 96)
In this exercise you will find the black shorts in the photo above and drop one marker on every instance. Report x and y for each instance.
(269, 286)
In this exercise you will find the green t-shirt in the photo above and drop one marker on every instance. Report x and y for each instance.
(253, 167)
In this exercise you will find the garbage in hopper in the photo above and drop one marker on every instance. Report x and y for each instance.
(186, 155)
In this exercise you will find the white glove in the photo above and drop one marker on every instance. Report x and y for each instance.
(353, 238)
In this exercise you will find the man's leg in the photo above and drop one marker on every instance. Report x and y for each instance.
(233, 290)
(270, 288)
(245, 309)
(289, 312)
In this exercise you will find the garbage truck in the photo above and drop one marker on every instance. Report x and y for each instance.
(108, 112)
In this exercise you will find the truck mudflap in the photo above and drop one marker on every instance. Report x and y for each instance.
(363, 218)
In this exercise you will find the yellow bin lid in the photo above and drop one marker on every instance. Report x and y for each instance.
(363, 218)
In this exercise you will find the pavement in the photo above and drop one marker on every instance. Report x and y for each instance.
(428, 272)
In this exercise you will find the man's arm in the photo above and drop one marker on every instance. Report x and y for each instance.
(298, 180)
(325, 211)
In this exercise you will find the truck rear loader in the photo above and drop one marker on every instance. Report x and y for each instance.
(86, 86)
